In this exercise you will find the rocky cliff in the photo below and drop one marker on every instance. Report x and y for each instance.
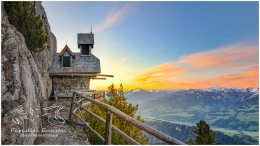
(25, 82)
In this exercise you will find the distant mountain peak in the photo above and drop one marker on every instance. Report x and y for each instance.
(210, 89)
(137, 90)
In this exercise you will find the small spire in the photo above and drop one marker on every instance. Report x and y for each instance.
(91, 29)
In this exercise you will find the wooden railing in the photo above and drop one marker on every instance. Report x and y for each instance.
(77, 104)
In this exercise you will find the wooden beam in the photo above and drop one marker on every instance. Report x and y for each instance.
(104, 75)
(93, 78)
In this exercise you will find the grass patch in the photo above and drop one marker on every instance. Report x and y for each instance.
(246, 117)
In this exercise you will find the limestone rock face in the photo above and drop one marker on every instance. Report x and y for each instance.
(25, 82)
(45, 59)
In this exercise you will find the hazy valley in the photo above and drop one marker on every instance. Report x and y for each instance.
(231, 112)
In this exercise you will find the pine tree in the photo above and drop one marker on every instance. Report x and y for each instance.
(117, 99)
(203, 134)
(22, 15)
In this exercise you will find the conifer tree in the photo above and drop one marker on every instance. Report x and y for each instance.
(22, 15)
(203, 134)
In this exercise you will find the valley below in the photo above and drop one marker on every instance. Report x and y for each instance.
(232, 113)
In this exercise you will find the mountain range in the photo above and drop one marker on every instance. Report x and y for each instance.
(232, 111)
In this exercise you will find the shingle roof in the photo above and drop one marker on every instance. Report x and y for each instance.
(79, 63)
(66, 48)
(85, 38)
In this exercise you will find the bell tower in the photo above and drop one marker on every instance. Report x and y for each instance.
(85, 43)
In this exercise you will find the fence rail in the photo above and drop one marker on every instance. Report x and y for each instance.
(77, 104)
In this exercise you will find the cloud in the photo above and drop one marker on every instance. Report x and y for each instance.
(227, 57)
(164, 69)
(113, 17)
(245, 79)
(233, 65)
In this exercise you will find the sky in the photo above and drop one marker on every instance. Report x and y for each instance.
(165, 45)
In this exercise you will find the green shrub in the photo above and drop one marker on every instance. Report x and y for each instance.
(22, 15)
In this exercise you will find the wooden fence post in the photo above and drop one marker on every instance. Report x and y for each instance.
(108, 134)
(72, 103)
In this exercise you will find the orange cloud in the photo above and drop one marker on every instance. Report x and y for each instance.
(245, 79)
(237, 56)
(241, 80)
(164, 69)
(230, 66)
